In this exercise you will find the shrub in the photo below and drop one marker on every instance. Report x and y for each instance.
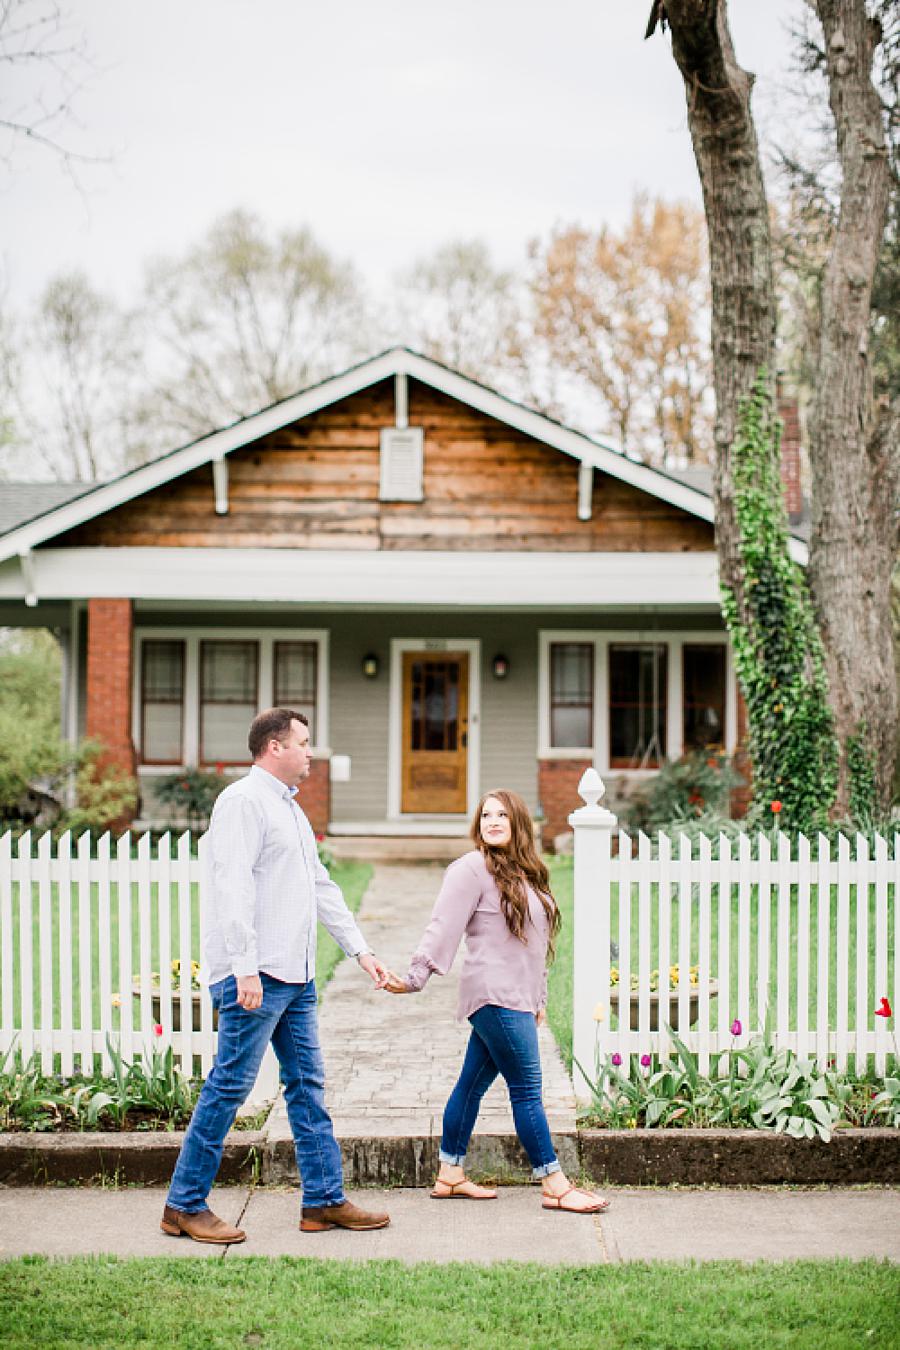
(192, 794)
(697, 786)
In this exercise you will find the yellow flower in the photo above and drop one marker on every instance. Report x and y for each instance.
(116, 1001)
(599, 1012)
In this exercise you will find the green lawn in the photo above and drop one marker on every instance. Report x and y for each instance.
(287, 1302)
(560, 986)
(352, 877)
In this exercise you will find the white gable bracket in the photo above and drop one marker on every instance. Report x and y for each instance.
(220, 484)
(401, 401)
(26, 562)
(585, 490)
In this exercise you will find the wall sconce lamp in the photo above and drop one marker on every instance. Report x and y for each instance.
(500, 667)
(370, 666)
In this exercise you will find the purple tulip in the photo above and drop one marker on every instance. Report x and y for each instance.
(736, 1027)
(645, 1061)
(616, 1060)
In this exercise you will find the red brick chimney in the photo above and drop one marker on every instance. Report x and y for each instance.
(789, 412)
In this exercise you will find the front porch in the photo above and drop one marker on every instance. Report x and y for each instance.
(414, 713)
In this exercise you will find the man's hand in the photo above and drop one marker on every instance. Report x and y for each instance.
(541, 1016)
(249, 992)
(394, 985)
(374, 969)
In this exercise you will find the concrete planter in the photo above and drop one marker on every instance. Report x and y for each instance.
(669, 1001)
(196, 996)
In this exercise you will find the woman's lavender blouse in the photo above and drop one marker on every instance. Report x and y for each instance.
(498, 968)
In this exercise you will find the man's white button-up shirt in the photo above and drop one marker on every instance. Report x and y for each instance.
(265, 886)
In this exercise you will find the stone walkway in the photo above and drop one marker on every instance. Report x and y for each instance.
(391, 1061)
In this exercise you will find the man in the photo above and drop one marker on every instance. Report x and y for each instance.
(266, 889)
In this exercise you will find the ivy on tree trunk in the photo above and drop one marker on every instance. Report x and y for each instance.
(779, 657)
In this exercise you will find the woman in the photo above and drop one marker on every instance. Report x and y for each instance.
(499, 898)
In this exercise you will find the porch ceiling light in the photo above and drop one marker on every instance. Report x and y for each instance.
(500, 666)
(370, 666)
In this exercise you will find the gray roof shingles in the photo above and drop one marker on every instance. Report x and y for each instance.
(21, 502)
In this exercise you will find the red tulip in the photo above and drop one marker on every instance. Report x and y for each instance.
(884, 1009)
(645, 1061)
(157, 1029)
(775, 808)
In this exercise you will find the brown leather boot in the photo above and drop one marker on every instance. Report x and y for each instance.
(202, 1227)
(346, 1215)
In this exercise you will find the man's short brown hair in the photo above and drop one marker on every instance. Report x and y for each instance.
(273, 724)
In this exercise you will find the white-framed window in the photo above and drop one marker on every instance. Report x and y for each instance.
(196, 691)
(162, 700)
(627, 699)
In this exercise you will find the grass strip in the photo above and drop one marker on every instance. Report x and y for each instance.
(353, 879)
(288, 1301)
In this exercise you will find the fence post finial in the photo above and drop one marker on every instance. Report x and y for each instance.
(590, 789)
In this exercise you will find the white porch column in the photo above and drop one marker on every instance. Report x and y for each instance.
(593, 826)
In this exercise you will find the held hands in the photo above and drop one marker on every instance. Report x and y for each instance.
(378, 973)
(395, 985)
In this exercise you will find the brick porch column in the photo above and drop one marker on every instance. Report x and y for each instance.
(109, 646)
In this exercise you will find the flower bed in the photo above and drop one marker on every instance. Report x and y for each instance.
(149, 1094)
(757, 1087)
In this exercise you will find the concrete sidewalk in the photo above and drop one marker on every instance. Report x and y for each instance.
(658, 1225)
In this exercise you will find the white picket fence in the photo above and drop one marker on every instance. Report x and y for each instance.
(804, 945)
(81, 939)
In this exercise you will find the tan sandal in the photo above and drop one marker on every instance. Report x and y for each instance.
(555, 1202)
(453, 1191)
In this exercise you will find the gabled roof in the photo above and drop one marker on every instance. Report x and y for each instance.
(215, 445)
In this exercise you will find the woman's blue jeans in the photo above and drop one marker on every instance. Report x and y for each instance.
(287, 1018)
(503, 1041)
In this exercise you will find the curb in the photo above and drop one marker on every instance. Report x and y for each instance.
(129, 1157)
(617, 1157)
(739, 1158)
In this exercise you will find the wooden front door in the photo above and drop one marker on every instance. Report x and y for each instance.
(435, 727)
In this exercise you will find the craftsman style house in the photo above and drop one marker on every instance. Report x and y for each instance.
(459, 593)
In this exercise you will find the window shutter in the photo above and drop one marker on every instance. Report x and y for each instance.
(401, 464)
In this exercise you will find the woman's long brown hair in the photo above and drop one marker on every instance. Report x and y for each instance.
(516, 865)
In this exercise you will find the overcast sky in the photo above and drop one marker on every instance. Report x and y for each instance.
(388, 128)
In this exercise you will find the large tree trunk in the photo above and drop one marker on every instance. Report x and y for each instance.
(855, 460)
(740, 254)
(853, 454)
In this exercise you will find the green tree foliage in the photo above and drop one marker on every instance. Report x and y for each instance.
(36, 764)
(778, 650)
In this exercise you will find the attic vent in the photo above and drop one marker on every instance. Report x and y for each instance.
(401, 464)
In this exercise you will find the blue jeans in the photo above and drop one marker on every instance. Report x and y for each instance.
(503, 1041)
(287, 1018)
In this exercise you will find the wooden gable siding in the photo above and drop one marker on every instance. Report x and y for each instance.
(314, 485)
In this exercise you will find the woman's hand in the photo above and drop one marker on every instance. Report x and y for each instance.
(540, 1016)
(394, 985)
